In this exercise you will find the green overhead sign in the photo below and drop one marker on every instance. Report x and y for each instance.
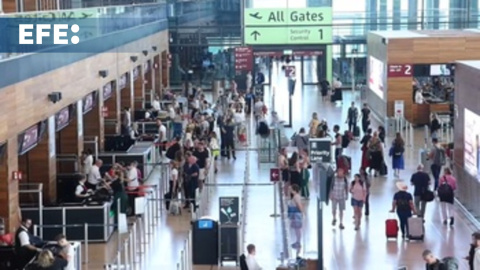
(268, 26)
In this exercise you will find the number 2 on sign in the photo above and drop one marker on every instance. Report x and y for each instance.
(408, 70)
(320, 31)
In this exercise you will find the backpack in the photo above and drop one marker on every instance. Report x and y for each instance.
(263, 129)
(450, 263)
(345, 140)
(439, 156)
(445, 191)
(398, 150)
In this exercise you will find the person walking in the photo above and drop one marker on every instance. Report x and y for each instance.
(352, 118)
(438, 158)
(368, 183)
(313, 125)
(396, 152)
(338, 196)
(403, 204)
(376, 153)
(421, 182)
(365, 118)
(446, 194)
(365, 153)
(295, 214)
(359, 194)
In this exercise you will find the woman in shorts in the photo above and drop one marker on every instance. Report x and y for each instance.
(359, 194)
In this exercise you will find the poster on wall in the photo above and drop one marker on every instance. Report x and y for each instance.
(472, 143)
(376, 76)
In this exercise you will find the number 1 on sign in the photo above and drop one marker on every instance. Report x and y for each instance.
(320, 31)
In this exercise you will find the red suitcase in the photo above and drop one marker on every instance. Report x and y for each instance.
(391, 228)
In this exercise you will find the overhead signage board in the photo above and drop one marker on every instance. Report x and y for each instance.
(267, 26)
(243, 59)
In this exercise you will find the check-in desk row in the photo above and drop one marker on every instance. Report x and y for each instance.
(141, 152)
(99, 217)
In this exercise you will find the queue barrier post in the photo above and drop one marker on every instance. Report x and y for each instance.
(85, 229)
(119, 255)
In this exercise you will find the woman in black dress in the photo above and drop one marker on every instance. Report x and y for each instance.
(324, 87)
(295, 170)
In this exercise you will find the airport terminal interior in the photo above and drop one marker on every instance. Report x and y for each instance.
(243, 134)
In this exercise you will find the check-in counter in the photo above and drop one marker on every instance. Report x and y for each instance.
(142, 152)
(97, 215)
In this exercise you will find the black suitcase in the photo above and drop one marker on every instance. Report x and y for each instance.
(384, 169)
(167, 197)
(356, 132)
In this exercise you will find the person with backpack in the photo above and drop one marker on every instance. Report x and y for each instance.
(338, 196)
(438, 157)
(300, 140)
(403, 204)
(433, 263)
(396, 152)
(375, 149)
(446, 194)
(337, 142)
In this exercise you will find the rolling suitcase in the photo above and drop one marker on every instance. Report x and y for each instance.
(391, 226)
(416, 230)
(356, 132)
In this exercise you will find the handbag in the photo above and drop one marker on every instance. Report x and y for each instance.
(427, 196)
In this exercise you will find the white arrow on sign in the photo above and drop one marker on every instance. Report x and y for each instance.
(274, 175)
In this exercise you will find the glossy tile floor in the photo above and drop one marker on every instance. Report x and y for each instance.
(343, 249)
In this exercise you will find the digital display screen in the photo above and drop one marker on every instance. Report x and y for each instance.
(205, 224)
(440, 70)
(472, 143)
(376, 76)
(62, 118)
(30, 139)
(88, 103)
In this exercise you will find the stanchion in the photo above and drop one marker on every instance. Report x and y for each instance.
(119, 256)
(275, 214)
(135, 243)
(125, 255)
(85, 230)
(182, 261)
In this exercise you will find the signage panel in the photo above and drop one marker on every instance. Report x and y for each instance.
(288, 16)
(288, 35)
(320, 150)
(243, 59)
(274, 174)
(400, 70)
(229, 208)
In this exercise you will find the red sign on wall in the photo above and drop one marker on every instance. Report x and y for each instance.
(290, 71)
(243, 59)
(400, 70)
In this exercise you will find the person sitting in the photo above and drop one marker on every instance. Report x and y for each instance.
(46, 261)
(26, 244)
(81, 191)
(252, 263)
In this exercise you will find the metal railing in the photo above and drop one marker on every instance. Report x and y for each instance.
(285, 254)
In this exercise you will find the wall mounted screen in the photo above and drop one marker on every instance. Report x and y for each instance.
(472, 143)
(28, 140)
(62, 118)
(376, 76)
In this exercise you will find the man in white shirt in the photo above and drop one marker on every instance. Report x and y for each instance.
(67, 250)
(162, 135)
(132, 176)
(95, 178)
(419, 99)
(24, 248)
(156, 105)
(250, 260)
(87, 162)
(126, 121)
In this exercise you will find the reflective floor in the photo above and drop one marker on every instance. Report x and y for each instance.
(343, 249)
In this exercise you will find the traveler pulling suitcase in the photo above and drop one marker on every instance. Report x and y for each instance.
(416, 230)
(391, 226)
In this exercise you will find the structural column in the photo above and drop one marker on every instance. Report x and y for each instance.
(9, 203)
(397, 14)
(165, 69)
(383, 20)
(413, 17)
(139, 89)
(473, 10)
(457, 14)
(127, 93)
(371, 9)
(432, 13)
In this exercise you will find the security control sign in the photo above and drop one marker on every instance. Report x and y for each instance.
(266, 26)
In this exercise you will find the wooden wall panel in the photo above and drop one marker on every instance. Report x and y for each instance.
(165, 69)
(9, 6)
(126, 95)
(139, 91)
(70, 141)
(9, 187)
(26, 103)
(157, 70)
(113, 107)
(94, 124)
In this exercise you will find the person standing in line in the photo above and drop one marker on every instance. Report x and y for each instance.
(338, 196)
(249, 80)
(191, 172)
(365, 118)
(352, 118)
(126, 121)
(313, 125)
(421, 181)
(437, 155)
(446, 194)
(295, 170)
(403, 204)
(376, 153)
(215, 148)
(396, 152)
(228, 131)
(300, 140)
(87, 162)
(337, 142)
(295, 214)
(282, 163)
(203, 160)
(305, 166)
(359, 194)
(162, 136)
(368, 184)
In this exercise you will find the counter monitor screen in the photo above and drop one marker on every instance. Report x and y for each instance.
(439, 70)
(205, 224)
